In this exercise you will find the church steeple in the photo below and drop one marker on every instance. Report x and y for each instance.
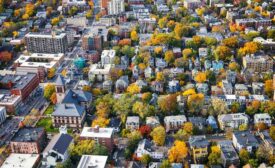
(60, 88)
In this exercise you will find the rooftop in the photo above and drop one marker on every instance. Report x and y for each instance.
(28, 134)
(19, 81)
(97, 132)
(95, 161)
(69, 110)
(17, 160)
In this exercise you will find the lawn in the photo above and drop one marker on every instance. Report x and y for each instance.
(49, 110)
(47, 124)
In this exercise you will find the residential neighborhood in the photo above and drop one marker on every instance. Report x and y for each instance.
(137, 84)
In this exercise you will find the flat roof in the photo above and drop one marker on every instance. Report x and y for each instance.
(95, 161)
(20, 160)
(101, 133)
(28, 134)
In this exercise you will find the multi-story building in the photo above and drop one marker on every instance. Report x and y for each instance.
(268, 44)
(199, 148)
(261, 63)
(70, 114)
(93, 161)
(232, 120)
(132, 123)
(229, 155)
(193, 4)
(20, 84)
(251, 22)
(147, 25)
(99, 72)
(241, 89)
(92, 41)
(103, 136)
(21, 160)
(77, 21)
(107, 56)
(173, 123)
(245, 140)
(38, 63)
(145, 147)
(46, 42)
(116, 7)
(11, 103)
(263, 118)
(3, 114)
(28, 140)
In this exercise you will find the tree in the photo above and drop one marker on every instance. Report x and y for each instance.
(17, 12)
(219, 107)
(101, 122)
(165, 164)
(195, 102)
(124, 42)
(5, 56)
(188, 128)
(145, 159)
(162, 22)
(100, 150)
(160, 77)
(181, 30)
(244, 156)
(25, 17)
(81, 147)
(169, 57)
(178, 152)
(262, 153)
(187, 52)
(55, 21)
(260, 126)
(200, 77)
(214, 157)
(243, 127)
(233, 66)
(209, 41)
(168, 103)
(129, 51)
(145, 130)
(249, 48)
(235, 107)
(134, 35)
(189, 92)
(223, 53)
(143, 109)
(123, 106)
(133, 88)
(231, 42)
(29, 9)
(51, 73)
(49, 90)
(272, 132)
(158, 134)
(268, 87)
(53, 98)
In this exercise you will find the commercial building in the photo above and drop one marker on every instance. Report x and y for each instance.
(3, 114)
(260, 63)
(20, 84)
(21, 160)
(116, 7)
(103, 136)
(38, 63)
(11, 103)
(45, 42)
(28, 140)
(88, 161)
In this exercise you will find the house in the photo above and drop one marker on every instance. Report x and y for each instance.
(181, 100)
(227, 87)
(173, 123)
(122, 84)
(199, 148)
(267, 141)
(231, 76)
(157, 86)
(216, 90)
(148, 72)
(241, 89)
(72, 115)
(229, 155)
(217, 65)
(257, 88)
(99, 72)
(173, 86)
(21, 160)
(203, 52)
(141, 83)
(196, 166)
(202, 88)
(28, 141)
(103, 136)
(263, 118)
(3, 114)
(258, 63)
(107, 56)
(57, 150)
(232, 120)
(132, 123)
(147, 147)
(107, 85)
(88, 161)
(199, 122)
(245, 140)
(193, 4)
(152, 121)
(211, 121)
(161, 63)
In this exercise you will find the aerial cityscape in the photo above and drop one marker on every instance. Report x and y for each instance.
(137, 84)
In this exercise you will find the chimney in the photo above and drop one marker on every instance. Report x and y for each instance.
(96, 129)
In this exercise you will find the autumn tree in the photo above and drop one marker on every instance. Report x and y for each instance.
(181, 30)
(162, 22)
(145, 130)
(214, 157)
(260, 126)
(244, 156)
(81, 147)
(168, 103)
(272, 132)
(189, 92)
(268, 87)
(222, 53)
(51, 73)
(55, 21)
(169, 57)
(219, 107)
(200, 77)
(53, 98)
(158, 134)
(160, 77)
(178, 152)
(165, 164)
(195, 102)
(145, 159)
(262, 153)
(101, 122)
(49, 90)
(249, 48)
(233, 66)
(134, 35)
(123, 106)
(133, 88)
(187, 52)
(143, 109)
(231, 42)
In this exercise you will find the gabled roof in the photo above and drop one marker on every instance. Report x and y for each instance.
(69, 110)
(59, 81)
(77, 96)
(62, 143)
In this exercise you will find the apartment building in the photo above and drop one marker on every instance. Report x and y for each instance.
(116, 7)
(45, 42)
(245, 140)
(29, 141)
(199, 148)
(193, 4)
(11, 103)
(93, 161)
(232, 120)
(229, 155)
(103, 136)
(173, 123)
(92, 41)
(261, 63)
(263, 118)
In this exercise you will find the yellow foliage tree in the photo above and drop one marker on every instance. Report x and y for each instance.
(15, 34)
(25, 16)
(233, 66)
(187, 52)
(17, 13)
(178, 152)
(188, 128)
(51, 73)
(169, 56)
(162, 22)
(55, 21)
(87, 88)
(189, 92)
(158, 50)
(133, 89)
(200, 77)
(101, 122)
(158, 134)
(134, 35)
(249, 48)
(160, 77)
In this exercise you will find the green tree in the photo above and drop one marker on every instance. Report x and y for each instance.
(145, 159)
(165, 164)
(48, 91)
(244, 156)
(123, 106)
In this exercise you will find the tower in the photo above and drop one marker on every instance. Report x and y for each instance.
(60, 88)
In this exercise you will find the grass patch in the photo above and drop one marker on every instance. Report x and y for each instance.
(47, 124)
(49, 110)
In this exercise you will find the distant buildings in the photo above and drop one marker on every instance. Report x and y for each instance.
(28, 140)
(251, 22)
(232, 120)
(46, 42)
(193, 4)
(258, 63)
(103, 136)
(92, 41)
(88, 161)
(116, 7)
(3, 114)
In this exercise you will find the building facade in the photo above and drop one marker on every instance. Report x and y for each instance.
(116, 7)
(3, 114)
